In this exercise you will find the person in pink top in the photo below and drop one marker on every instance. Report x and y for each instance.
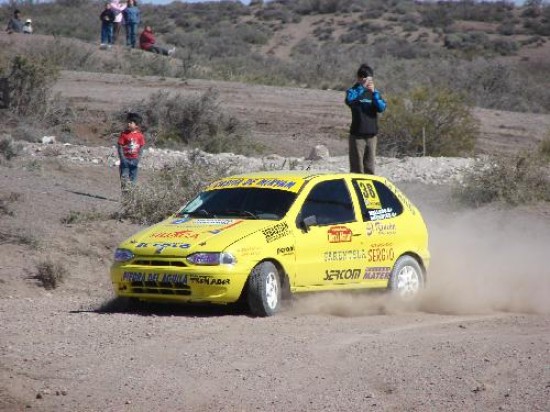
(130, 147)
(117, 8)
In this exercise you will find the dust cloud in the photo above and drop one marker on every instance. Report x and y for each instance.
(483, 261)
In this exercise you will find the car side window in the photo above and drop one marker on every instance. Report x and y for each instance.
(330, 202)
(377, 201)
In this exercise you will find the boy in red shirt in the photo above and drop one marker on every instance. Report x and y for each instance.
(130, 147)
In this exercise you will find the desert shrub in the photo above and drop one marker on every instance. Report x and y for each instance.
(507, 28)
(50, 274)
(513, 179)
(434, 122)
(8, 148)
(199, 122)
(167, 190)
(6, 199)
(544, 147)
(29, 82)
(504, 47)
(76, 216)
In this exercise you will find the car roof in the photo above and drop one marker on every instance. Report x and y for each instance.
(298, 174)
(291, 180)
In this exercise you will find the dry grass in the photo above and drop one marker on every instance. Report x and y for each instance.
(50, 274)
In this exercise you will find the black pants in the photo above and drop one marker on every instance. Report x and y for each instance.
(362, 151)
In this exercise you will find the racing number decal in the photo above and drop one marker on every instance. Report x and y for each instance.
(370, 196)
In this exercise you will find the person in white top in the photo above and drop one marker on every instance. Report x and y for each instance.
(117, 7)
(27, 28)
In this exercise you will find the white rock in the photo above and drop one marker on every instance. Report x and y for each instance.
(319, 152)
(48, 139)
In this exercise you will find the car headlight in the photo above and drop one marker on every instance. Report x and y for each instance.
(123, 255)
(212, 258)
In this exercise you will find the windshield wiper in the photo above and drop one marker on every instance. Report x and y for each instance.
(201, 213)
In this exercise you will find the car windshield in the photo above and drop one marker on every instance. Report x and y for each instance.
(248, 203)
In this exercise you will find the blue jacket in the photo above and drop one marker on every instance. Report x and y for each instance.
(365, 106)
(132, 15)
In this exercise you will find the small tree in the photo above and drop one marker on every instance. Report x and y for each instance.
(434, 122)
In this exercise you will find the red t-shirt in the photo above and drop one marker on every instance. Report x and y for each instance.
(131, 142)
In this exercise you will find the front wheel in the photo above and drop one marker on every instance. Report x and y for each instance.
(407, 278)
(264, 290)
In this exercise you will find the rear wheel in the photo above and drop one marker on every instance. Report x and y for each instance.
(264, 290)
(407, 278)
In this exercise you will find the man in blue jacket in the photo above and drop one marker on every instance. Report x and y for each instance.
(365, 103)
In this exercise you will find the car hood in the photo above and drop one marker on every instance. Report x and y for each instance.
(176, 234)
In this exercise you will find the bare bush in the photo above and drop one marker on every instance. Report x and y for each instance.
(544, 147)
(50, 274)
(6, 199)
(76, 217)
(516, 179)
(430, 122)
(169, 189)
(8, 148)
(198, 122)
(30, 81)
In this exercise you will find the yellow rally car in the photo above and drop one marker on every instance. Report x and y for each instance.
(259, 235)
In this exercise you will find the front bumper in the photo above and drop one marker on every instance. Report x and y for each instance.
(212, 284)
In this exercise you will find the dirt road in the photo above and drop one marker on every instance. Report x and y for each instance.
(477, 340)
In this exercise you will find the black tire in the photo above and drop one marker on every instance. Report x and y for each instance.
(264, 290)
(407, 277)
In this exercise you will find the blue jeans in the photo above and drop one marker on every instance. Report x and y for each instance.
(131, 32)
(128, 171)
(106, 33)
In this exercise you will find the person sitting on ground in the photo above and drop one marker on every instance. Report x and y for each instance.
(27, 28)
(147, 42)
(15, 24)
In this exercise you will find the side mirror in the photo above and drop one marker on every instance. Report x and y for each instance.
(307, 222)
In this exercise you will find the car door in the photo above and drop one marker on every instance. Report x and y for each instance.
(330, 253)
(380, 211)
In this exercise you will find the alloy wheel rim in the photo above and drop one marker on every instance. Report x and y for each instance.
(271, 290)
(408, 281)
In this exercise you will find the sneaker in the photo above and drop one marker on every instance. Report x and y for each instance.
(102, 45)
(171, 51)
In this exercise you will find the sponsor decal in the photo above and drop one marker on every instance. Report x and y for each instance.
(174, 278)
(186, 234)
(344, 274)
(286, 250)
(377, 273)
(382, 252)
(344, 255)
(276, 232)
(292, 185)
(381, 228)
(248, 251)
(369, 193)
(386, 213)
(339, 234)
(233, 223)
(220, 222)
(180, 221)
(161, 246)
(208, 280)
